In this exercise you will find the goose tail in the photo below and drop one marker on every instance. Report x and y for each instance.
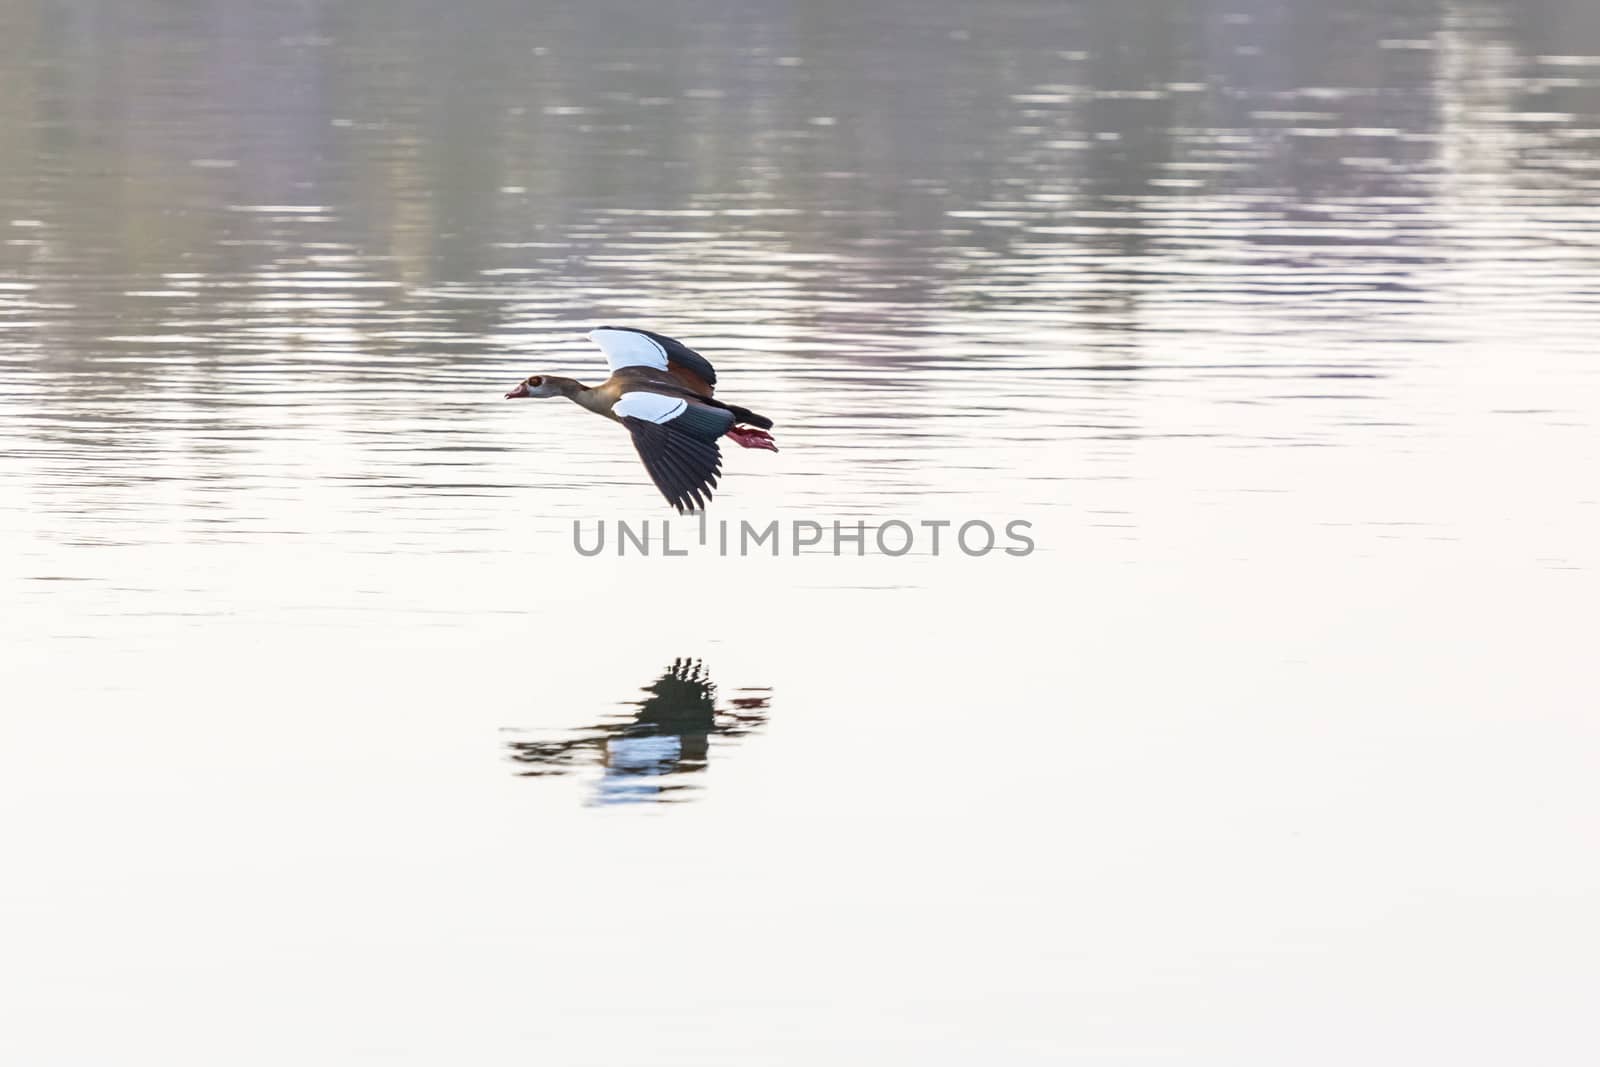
(749, 418)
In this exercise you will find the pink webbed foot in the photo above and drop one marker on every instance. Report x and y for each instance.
(749, 437)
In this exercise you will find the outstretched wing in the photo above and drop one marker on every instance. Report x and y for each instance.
(628, 347)
(677, 440)
(684, 468)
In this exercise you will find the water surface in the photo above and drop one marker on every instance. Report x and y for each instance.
(1274, 320)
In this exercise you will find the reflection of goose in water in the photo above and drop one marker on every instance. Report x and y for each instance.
(666, 734)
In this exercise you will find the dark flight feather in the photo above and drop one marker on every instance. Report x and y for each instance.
(703, 421)
(684, 467)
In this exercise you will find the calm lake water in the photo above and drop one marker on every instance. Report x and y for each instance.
(1274, 320)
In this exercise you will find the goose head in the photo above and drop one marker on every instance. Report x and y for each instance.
(537, 386)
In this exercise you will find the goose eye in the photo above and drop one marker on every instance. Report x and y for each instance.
(535, 381)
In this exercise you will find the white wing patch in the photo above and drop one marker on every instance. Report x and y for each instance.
(652, 407)
(624, 348)
(641, 753)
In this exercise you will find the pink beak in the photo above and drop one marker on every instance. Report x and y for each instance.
(519, 392)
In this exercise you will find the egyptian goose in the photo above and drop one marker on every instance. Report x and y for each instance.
(660, 389)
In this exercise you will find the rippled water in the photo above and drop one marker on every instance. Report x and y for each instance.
(1273, 321)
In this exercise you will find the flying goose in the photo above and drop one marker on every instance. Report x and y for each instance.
(660, 389)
